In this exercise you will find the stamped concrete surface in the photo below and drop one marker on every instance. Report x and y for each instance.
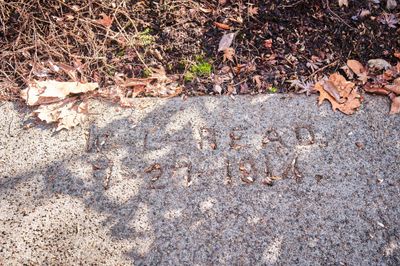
(262, 180)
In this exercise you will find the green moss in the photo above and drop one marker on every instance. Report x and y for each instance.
(146, 38)
(201, 68)
(272, 89)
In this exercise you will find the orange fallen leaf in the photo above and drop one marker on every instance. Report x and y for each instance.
(331, 89)
(268, 43)
(375, 89)
(355, 66)
(105, 21)
(222, 26)
(323, 95)
(349, 100)
(359, 70)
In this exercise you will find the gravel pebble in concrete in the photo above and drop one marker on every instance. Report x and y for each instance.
(262, 180)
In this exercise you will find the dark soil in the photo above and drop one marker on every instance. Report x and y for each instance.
(276, 40)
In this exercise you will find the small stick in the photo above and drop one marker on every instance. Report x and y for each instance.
(321, 69)
(337, 16)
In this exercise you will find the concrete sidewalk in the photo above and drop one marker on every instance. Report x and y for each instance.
(262, 180)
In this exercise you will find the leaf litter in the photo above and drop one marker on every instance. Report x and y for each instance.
(135, 53)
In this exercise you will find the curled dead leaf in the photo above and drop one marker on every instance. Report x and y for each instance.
(50, 91)
(158, 84)
(205, 10)
(375, 89)
(395, 88)
(330, 88)
(359, 70)
(222, 26)
(67, 113)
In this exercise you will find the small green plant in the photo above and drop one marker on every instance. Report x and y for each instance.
(147, 72)
(201, 68)
(189, 76)
(272, 89)
(121, 53)
(146, 38)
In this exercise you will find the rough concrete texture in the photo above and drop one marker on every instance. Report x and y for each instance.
(265, 180)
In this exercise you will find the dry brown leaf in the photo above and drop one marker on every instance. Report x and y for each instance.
(158, 84)
(205, 10)
(218, 88)
(359, 70)
(105, 21)
(229, 53)
(257, 80)
(331, 89)
(69, 70)
(67, 113)
(268, 43)
(391, 4)
(50, 91)
(323, 95)
(395, 88)
(356, 66)
(379, 64)
(375, 89)
(349, 73)
(230, 89)
(350, 99)
(226, 41)
(343, 3)
(252, 10)
(222, 26)
(395, 107)
(344, 87)
(364, 13)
